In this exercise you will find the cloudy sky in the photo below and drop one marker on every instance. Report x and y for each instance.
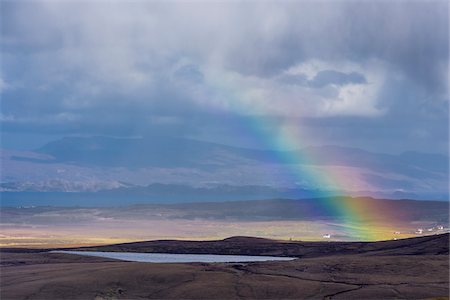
(364, 74)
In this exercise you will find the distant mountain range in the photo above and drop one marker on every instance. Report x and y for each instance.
(180, 152)
(171, 193)
(155, 167)
(418, 212)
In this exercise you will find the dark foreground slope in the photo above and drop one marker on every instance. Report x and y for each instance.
(405, 269)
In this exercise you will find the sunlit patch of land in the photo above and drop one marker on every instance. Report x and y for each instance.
(114, 231)
(44, 227)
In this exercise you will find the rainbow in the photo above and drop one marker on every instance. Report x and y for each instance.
(355, 216)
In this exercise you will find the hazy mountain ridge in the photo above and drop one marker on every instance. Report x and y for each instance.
(169, 193)
(92, 164)
(169, 152)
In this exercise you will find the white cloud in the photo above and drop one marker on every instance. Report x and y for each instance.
(266, 96)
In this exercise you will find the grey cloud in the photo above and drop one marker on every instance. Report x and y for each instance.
(259, 39)
(298, 79)
(114, 69)
(411, 36)
(324, 78)
(189, 73)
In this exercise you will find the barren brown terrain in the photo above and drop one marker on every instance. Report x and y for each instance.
(416, 268)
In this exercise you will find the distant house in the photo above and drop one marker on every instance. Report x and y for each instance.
(440, 227)
(430, 229)
(419, 231)
(397, 232)
(327, 236)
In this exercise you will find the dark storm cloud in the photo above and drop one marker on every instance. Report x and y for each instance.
(412, 35)
(130, 68)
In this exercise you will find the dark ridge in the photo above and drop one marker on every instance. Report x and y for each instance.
(240, 245)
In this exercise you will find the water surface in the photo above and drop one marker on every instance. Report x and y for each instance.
(176, 258)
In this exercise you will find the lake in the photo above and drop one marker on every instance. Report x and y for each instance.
(177, 258)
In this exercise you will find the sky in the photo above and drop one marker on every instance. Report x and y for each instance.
(372, 75)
